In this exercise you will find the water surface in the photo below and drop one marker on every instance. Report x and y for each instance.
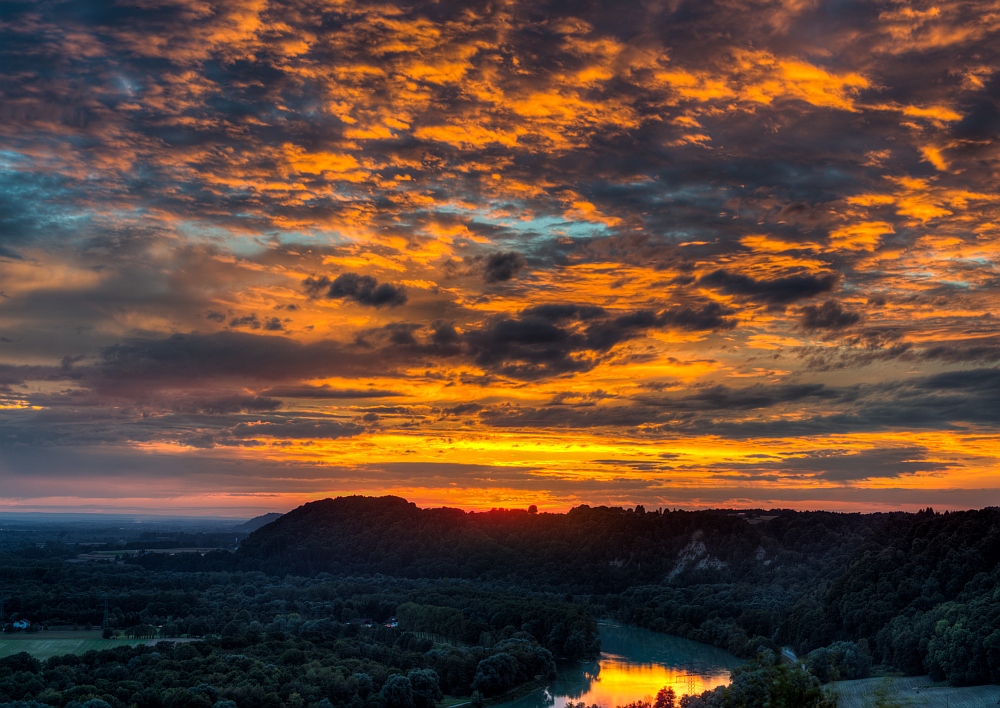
(635, 664)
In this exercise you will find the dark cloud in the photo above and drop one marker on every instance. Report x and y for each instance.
(298, 429)
(940, 401)
(724, 398)
(502, 266)
(401, 333)
(872, 345)
(710, 317)
(249, 321)
(529, 348)
(462, 409)
(981, 120)
(984, 351)
(17, 375)
(776, 292)
(234, 404)
(551, 340)
(838, 465)
(363, 289)
(444, 333)
(554, 339)
(562, 312)
(945, 401)
(328, 392)
(829, 315)
(980, 380)
(701, 410)
(602, 336)
(224, 355)
(589, 417)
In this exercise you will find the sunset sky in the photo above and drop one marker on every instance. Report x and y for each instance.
(674, 252)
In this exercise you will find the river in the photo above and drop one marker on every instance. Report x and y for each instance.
(634, 664)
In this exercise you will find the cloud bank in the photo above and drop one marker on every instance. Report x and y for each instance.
(671, 253)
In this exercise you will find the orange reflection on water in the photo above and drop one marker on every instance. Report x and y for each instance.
(618, 682)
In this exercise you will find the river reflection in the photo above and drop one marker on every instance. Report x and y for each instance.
(634, 665)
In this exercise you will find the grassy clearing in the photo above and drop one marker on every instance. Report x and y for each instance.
(512, 695)
(913, 691)
(451, 701)
(42, 645)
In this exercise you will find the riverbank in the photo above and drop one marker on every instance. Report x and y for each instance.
(634, 664)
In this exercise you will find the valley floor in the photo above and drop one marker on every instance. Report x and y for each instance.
(914, 691)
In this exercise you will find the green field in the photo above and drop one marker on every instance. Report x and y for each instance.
(42, 645)
(915, 691)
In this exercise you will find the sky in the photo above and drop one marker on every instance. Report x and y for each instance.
(682, 253)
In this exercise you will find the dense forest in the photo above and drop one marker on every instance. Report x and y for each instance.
(917, 593)
(374, 603)
(272, 642)
(56, 594)
(310, 663)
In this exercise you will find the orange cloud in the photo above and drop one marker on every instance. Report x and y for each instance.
(864, 236)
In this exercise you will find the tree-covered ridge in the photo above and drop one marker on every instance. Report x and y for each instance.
(588, 550)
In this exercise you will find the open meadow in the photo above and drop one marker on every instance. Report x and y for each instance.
(42, 645)
(913, 691)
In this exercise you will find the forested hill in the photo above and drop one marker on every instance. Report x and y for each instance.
(588, 550)
(601, 550)
(918, 592)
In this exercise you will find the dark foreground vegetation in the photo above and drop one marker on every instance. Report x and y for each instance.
(270, 642)
(374, 603)
(311, 665)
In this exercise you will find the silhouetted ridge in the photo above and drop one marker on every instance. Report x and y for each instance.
(594, 549)
(257, 522)
(367, 535)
